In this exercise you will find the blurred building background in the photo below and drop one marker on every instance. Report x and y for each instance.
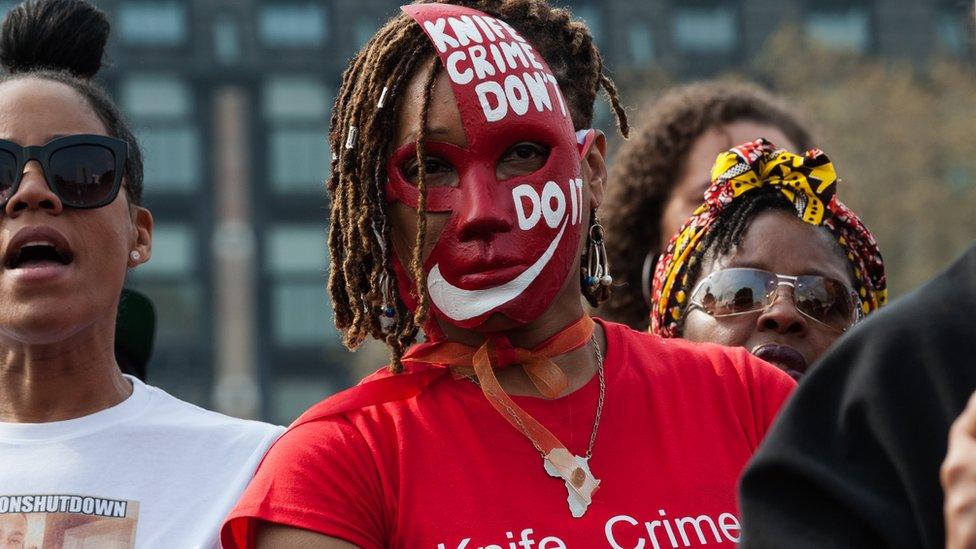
(231, 101)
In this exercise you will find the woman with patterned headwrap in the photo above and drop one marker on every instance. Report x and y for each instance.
(772, 261)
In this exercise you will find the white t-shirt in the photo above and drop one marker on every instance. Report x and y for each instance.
(152, 471)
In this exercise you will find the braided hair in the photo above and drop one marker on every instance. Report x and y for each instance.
(363, 121)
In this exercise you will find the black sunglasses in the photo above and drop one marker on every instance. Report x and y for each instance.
(737, 291)
(84, 171)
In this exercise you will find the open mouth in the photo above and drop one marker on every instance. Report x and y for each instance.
(37, 254)
(33, 248)
(784, 357)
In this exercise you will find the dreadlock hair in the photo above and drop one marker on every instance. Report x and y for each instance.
(647, 168)
(727, 231)
(64, 41)
(363, 121)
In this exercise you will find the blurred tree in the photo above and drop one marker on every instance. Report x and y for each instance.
(903, 141)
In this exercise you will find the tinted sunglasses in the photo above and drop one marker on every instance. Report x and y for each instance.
(84, 171)
(738, 291)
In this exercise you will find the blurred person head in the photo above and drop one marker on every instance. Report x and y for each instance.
(71, 225)
(13, 530)
(659, 176)
(444, 222)
(772, 261)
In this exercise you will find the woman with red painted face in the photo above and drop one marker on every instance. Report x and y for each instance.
(465, 185)
(88, 455)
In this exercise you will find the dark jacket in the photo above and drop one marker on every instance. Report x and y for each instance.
(853, 460)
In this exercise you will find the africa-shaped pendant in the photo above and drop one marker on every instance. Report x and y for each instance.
(575, 472)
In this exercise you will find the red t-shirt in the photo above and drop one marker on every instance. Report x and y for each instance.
(444, 470)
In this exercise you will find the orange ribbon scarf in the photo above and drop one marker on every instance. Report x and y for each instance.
(428, 362)
(498, 352)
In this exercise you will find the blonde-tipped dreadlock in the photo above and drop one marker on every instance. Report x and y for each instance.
(359, 238)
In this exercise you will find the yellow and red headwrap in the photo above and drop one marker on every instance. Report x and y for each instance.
(808, 181)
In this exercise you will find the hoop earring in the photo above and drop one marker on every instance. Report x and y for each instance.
(387, 312)
(596, 279)
(647, 276)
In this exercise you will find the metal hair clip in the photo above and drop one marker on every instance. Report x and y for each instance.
(387, 312)
(382, 100)
(351, 138)
(377, 232)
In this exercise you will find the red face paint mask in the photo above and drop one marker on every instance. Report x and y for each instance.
(509, 243)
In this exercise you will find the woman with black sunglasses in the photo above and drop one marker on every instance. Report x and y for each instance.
(772, 261)
(87, 454)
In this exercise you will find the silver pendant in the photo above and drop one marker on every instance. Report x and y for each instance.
(575, 472)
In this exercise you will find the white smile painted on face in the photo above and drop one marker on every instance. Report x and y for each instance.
(460, 304)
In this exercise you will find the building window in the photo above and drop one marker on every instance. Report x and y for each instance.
(292, 395)
(296, 261)
(301, 314)
(296, 98)
(592, 16)
(299, 160)
(640, 44)
(844, 29)
(227, 40)
(173, 252)
(703, 30)
(169, 278)
(296, 250)
(297, 110)
(179, 310)
(365, 29)
(162, 109)
(171, 158)
(955, 30)
(152, 23)
(156, 96)
(173, 280)
(297, 25)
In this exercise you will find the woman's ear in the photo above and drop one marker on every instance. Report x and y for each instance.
(594, 167)
(142, 222)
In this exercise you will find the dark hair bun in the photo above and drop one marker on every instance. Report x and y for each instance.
(59, 35)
